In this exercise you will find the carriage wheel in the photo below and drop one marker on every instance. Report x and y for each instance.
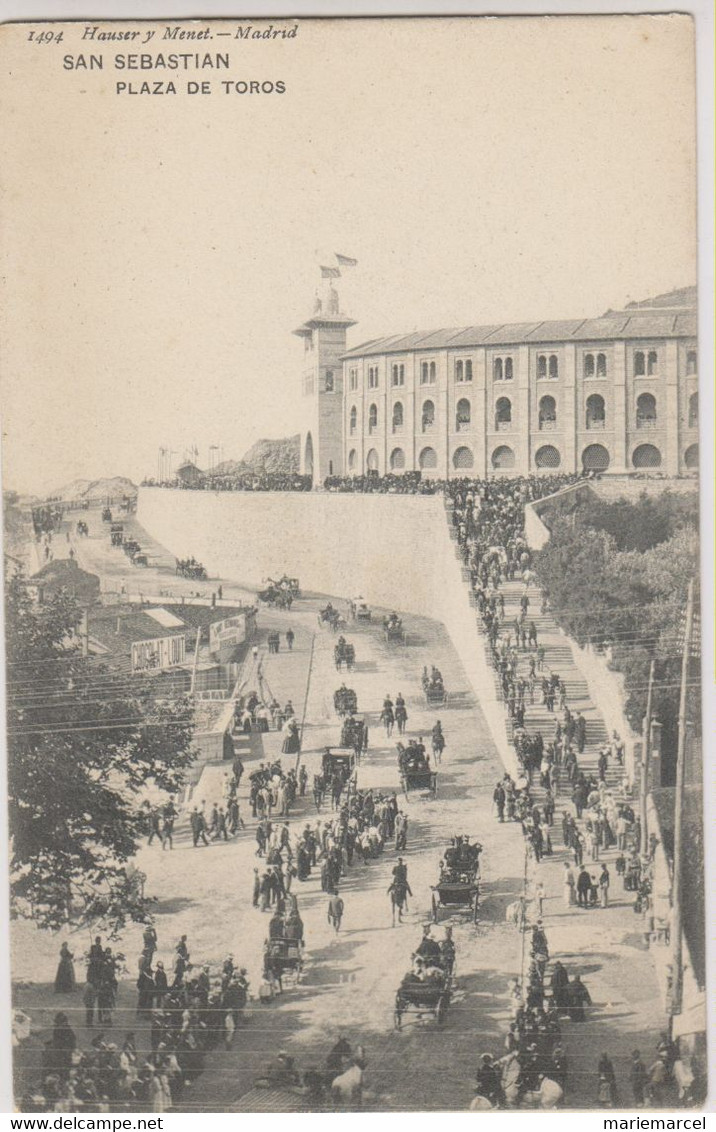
(441, 1011)
(435, 909)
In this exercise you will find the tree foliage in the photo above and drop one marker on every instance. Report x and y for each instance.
(83, 745)
(629, 601)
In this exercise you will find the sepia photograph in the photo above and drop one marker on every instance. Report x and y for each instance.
(349, 383)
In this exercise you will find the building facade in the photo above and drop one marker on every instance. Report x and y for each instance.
(617, 393)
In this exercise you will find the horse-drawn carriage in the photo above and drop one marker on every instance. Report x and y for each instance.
(344, 653)
(345, 701)
(130, 546)
(458, 884)
(190, 568)
(415, 770)
(360, 610)
(434, 687)
(288, 585)
(275, 596)
(284, 957)
(140, 560)
(341, 762)
(116, 534)
(420, 998)
(393, 629)
(354, 733)
(106, 515)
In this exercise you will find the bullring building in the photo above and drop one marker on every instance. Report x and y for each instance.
(618, 393)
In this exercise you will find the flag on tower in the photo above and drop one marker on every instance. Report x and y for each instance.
(345, 260)
(330, 273)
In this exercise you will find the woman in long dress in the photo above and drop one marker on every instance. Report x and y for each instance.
(568, 884)
(65, 977)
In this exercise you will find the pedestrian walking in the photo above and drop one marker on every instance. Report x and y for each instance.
(335, 911)
(604, 886)
(290, 638)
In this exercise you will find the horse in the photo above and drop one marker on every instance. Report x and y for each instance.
(387, 718)
(347, 1088)
(399, 891)
(401, 718)
(438, 747)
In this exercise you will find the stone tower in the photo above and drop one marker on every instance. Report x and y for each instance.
(324, 338)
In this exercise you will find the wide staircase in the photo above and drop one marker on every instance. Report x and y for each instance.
(558, 658)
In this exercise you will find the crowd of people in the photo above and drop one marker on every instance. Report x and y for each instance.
(235, 481)
(189, 1010)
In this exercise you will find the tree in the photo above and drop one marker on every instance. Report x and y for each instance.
(83, 744)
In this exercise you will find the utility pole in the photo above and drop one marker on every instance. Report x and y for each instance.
(196, 661)
(677, 974)
(645, 753)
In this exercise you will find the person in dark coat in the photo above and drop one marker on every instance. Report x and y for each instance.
(584, 885)
(64, 1043)
(487, 1081)
(605, 1070)
(559, 983)
(579, 997)
(65, 977)
(638, 1078)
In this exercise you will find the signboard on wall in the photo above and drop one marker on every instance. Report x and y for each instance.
(158, 653)
(227, 634)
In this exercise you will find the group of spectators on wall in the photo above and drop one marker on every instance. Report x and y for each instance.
(236, 481)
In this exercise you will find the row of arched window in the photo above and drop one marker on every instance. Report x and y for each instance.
(595, 458)
(645, 363)
(595, 415)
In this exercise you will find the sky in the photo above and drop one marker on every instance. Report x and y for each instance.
(157, 251)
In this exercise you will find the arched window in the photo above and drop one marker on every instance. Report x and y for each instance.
(397, 459)
(459, 373)
(397, 416)
(428, 458)
(424, 373)
(463, 458)
(509, 372)
(503, 414)
(553, 365)
(547, 457)
(691, 457)
(541, 366)
(646, 411)
(497, 369)
(372, 418)
(462, 415)
(352, 457)
(432, 373)
(371, 461)
(646, 456)
(601, 365)
(468, 370)
(589, 365)
(503, 458)
(547, 414)
(595, 458)
(639, 364)
(353, 420)
(652, 363)
(691, 362)
(329, 381)
(428, 416)
(596, 414)
(694, 410)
